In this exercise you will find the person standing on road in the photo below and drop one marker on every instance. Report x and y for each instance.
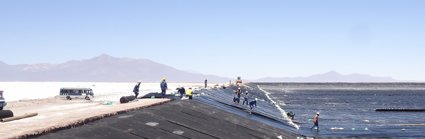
(164, 87)
(316, 121)
(136, 89)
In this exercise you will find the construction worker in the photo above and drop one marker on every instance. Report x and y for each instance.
(237, 97)
(316, 121)
(291, 115)
(189, 93)
(164, 87)
(253, 103)
(239, 92)
(245, 98)
(181, 91)
(136, 89)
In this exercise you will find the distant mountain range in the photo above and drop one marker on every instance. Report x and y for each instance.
(103, 68)
(331, 76)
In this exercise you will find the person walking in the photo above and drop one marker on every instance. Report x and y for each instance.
(316, 121)
(164, 87)
(136, 89)
(206, 83)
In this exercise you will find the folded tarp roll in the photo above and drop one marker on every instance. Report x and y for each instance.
(126, 99)
(5, 114)
(19, 117)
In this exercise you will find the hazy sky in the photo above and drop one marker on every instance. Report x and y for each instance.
(249, 38)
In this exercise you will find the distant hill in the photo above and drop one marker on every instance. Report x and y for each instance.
(331, 76)
(103, 68)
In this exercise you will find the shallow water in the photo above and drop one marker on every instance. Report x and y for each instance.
(351, 111)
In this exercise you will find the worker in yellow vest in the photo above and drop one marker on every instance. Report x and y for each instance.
(189, 93)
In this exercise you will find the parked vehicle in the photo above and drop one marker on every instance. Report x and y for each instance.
(76, 93)
(2, 101)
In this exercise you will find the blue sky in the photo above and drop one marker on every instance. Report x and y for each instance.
(245, 38)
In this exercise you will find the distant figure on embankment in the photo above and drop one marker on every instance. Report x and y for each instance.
(164, 87)
(206, 83)
(136, 89)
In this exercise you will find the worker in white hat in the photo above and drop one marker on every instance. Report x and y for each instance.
(316, 122)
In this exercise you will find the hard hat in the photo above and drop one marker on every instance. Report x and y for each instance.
(317, 113)
(164, 78)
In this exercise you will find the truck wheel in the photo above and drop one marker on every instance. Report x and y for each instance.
(87, 98)
(68, 98)
(1, 108)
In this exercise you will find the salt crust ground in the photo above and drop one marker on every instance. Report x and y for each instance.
(54, 113)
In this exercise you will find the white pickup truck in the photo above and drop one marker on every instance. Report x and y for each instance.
(2, 101)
